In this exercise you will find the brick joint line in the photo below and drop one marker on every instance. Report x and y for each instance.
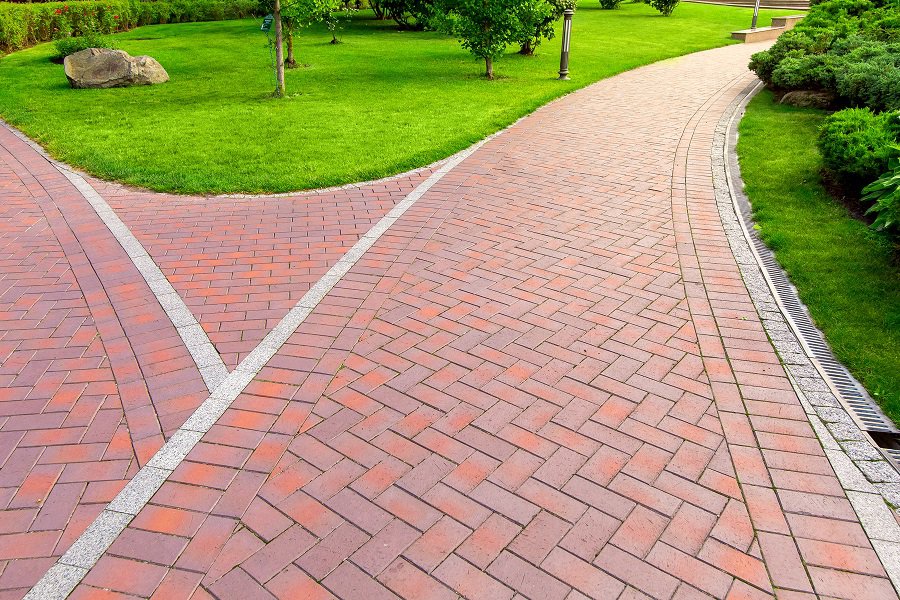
(197, 342)
(874, 515)
(62, 578)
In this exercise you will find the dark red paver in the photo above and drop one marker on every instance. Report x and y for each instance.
(95, 377)
(241, 264)
(65, 448)
(547, 380)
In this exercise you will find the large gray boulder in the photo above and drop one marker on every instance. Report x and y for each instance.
(104, 68)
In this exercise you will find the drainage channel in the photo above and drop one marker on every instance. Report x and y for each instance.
(882, 431)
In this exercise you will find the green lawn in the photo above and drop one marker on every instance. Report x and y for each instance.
(380, 103)
(846, 273)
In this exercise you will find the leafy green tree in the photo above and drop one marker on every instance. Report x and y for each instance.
(378, 9)
(486, 27)
(538, 21)
(410, 14)
(334, 15)
(296, 14)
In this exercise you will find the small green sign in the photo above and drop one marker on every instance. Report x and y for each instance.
(267, 23)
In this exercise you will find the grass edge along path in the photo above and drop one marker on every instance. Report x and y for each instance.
(846, 273)
(381, 103)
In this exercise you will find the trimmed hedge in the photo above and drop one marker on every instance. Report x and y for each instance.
(850, 48)
(70, 45)
(857, 144)
(23, 25)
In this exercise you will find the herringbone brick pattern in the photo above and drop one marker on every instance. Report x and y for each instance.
(65, 448)
(94, 375)
(241, 264)
(546, 380)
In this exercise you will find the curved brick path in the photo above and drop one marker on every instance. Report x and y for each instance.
(546, 379)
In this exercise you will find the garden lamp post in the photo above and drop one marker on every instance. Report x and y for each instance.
(566, 39)
(755, 15)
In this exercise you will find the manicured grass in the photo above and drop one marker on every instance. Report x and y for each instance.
(380, 103)
(846, 273)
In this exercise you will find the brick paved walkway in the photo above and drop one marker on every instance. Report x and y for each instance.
(546, 380)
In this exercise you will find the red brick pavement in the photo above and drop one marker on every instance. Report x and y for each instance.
(242, 264)
(65, 448)
(95, 377)
(546, 380)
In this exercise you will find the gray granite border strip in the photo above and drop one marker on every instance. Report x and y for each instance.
(198, 344)
(67, 573)
(870, 482)
(336, 188)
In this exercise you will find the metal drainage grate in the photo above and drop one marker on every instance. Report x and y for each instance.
(881, 429)
(884, 434)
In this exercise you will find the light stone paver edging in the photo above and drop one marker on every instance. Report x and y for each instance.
(69, 572)
(198, 344)
(859, 466)
(62, 578)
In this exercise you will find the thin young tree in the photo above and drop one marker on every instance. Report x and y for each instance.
(333, 15)
(290, 16)
(280, 87)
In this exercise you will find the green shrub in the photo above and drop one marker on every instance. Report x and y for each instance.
(70, 45)
(837, 14)
(804, 72)
(882, 24)
(885, 196)
(666, 7)
(23, 25)
(874, 82)
(848, 47)
(794, 43)
(610, 4)
(857, 144)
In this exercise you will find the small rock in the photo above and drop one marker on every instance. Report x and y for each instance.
(104, 68)
(808, 99)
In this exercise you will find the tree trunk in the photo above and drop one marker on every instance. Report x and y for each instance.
(290, 63)
(279, 52)
(527, 49)
(489, 67)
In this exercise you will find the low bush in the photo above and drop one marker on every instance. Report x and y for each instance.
(857, 144)
(848, 47)
(885, 196)
(610, 4)
(23, 25)
(873, 81)
(795, 43)
(70, 45)
(666, 7)
(804, 72)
